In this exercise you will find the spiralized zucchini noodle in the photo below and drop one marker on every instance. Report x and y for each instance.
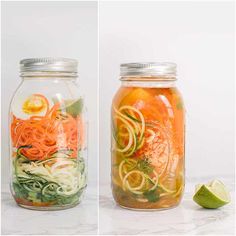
(145, 150)
(135, 180)
(130, 129)
(53, 179)
(62, 171)
(132, 139)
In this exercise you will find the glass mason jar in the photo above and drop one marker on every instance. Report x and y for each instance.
(148, 138)
(48, 136)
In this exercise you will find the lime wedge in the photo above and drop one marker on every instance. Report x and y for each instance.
(212, 195)
(74, 107)
(71, 106)
(197, 187)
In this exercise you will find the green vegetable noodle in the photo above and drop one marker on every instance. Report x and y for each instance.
(58, 180)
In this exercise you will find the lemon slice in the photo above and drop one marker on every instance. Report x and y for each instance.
(212, 195)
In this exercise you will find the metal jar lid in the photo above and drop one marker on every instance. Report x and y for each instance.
(148, 69)
(49, 64)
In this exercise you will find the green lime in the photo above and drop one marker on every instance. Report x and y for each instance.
(212, 195)
(74, 107)
(71, 106)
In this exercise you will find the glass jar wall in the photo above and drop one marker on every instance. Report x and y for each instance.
(148, 127)
(48, 136)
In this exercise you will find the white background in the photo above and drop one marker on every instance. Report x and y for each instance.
(54, 29)
(199, 37)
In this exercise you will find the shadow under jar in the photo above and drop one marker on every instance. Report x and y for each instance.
(48, 136)
(148, 138)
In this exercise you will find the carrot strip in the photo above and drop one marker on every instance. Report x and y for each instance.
(47, 134)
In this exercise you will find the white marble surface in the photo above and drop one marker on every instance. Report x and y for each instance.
(79, 220)
(186, 219)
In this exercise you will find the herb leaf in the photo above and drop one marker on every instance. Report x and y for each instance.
(152, 195)
(144, 166)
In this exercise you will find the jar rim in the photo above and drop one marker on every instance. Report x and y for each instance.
(148, 71)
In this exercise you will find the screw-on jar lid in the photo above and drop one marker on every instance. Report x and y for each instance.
(148, 69)
(49, 64)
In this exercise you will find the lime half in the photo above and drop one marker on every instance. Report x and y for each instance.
(212, 195)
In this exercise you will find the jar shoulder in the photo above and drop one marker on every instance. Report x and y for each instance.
(128, 95)
(51, 88)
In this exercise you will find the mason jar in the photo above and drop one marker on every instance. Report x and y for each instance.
(148, 137)
(48, 136)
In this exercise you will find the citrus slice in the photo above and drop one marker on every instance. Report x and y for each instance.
(71, 106)
(74, 107)
(137, 95)
(212, 195)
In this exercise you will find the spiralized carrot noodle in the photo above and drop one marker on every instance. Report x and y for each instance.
(47, 134)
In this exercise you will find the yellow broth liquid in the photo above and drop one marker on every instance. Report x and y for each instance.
(147, 157)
